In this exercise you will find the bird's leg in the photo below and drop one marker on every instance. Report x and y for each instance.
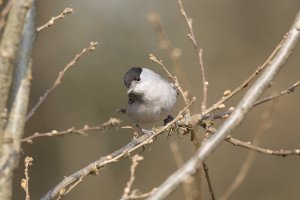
(168, 119)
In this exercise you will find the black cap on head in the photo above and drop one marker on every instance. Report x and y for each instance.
(131, 75)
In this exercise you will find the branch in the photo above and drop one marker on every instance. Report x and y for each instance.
(60, 77)
(112, 122)
(211, 191)
(9, 45)
(135, 161)
(279, 94)
(62, 15)
(92, 168)
(228, 94)
(248, 145)
(266, 124)
(166, 45)
(25, 181)
(199, 53)
(234, 119)
(19, 94)
(225, 114)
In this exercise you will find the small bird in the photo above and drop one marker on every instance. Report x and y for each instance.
(150, 97)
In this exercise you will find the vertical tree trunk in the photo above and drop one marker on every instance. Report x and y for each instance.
(15, 75)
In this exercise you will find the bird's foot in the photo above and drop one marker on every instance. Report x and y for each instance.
(168, 119)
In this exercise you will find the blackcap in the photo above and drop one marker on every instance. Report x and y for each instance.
(150, 97)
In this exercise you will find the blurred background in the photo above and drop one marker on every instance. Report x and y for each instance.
(236, 36)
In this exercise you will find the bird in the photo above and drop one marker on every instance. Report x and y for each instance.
(151, 97)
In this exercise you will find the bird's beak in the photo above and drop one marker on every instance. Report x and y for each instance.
(129, 91)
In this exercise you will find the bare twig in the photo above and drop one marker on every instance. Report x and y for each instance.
(112, 122)
(248, 145)
(228, 94)
(211, 191)
(199, 53)
(25, 181)
(135, 161)
(138, 195)
(266, 124)
(166, 45)
(60, 77)
(125, 151)
(174, 54)
(279, 94)
(245, 104)
(62, 15)
(226, 114)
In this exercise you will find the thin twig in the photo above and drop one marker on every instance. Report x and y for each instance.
(72, 186)
(228, 94)
(62, 15)
(60, 77)
(226, 114)
(266, 124)
(199, 53)
(211, 191)
(112, 122)
(166, 45)
(283, 92)
(248, 145)
(245, 104)
(25, 181)
(174, 55)
(125, 151)
(138, 195)
(135, 161)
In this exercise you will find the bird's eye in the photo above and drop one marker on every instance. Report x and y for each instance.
(138, 78)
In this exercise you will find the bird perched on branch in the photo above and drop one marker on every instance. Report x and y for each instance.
(150, 97)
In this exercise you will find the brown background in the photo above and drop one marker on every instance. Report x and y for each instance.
(236, 36)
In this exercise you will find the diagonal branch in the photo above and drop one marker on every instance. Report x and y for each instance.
(228, 94)
(246, 103)
(62, 15)
(60, 76)
(92, 168)
(279, 94)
